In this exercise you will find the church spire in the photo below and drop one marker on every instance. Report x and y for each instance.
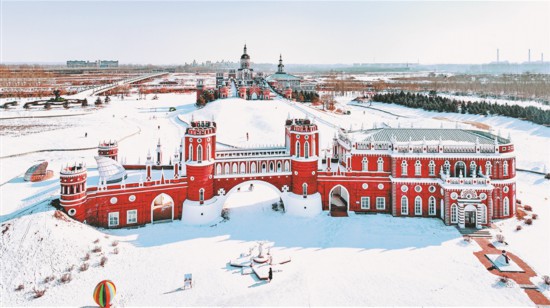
(281, 66)
(244, 48)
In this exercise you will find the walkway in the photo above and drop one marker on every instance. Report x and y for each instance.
(520, 278)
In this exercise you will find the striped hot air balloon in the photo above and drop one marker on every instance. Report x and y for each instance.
(104, 293)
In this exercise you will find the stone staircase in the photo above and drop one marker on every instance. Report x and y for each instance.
(472, 232)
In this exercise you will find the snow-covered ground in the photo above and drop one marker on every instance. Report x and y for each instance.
(360, 260)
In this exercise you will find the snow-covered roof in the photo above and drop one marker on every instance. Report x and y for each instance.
(281, 76)
(431, 134)
(109, 169)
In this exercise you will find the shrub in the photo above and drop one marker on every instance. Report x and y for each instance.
(86, 257)
(527, 208)
(84, 267)
(546, 279)
(547, 176)
(19, 287)
(115, 243)
(96, 249)
(518, 227)
(115, 251)
(535, 216)
(103, 261)
(49, 278)
(38, 293)
(70, 268)
(520, 214)
(500, 238)
(66, 278)
(529, 221)
(96, 241)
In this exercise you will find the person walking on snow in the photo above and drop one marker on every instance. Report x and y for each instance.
(246, 136)
(270, 277)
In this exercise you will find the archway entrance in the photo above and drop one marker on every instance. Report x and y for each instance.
(162, 208)
(470, 213)
(460, 168)
(339, 201)
(252, 197)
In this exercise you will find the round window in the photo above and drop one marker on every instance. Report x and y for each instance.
(72, 212)
(505, 189)
(418, 188)
(114, 200)
(483, 196)
(365, 186)
(454, 196)
(432, 189)
(306, 137)
(199, 140)
(132, 198)
(297, 136)
(380, 186)
(404, 188)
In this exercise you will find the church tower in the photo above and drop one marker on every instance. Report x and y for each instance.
(245, 59)
(281, 67)
(302, 142)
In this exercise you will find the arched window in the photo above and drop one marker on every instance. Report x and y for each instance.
(271, 167)
(460, 169)
(304, 189)
(431, 168)
(454, 214)
(365, 164)
(313, 148)
(417, 168)
(287, 166)
(201, 194)
(506, 207)
(297, 148)
(380, 164)
(431, 205)
(446, 167)
(208, 152)
(263, 167)
(190, 152)
(243, 168)
(235, 171)
(418, 206)
(505, 168)
(226, 169)
(404, 205)
(306, 149)
(279, 166)
(199, 153)
(404, 167)
(218, 169)
(253, 167)
(488, 168)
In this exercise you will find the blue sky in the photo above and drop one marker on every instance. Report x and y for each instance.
(304, 32)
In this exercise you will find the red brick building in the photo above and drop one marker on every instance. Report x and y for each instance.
(464, 177)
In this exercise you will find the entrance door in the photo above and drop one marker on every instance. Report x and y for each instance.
(470, 219)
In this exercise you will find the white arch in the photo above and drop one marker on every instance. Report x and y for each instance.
(253, 167)
(162, 200)
(380, 164)
(279, 166)
(218, 169)
(208, 152)
(271, 167)
(234, 169)
(306, 149)
(190, 158)
(417, 168)
(226, 168)
(201, 194)
(297, 149)
(243, 168)
(344, 194)
(304, 189)
(365, 164)
(287, 166)
(482, 208)
(431, 167)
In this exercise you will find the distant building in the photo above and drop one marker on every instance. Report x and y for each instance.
(92, 64)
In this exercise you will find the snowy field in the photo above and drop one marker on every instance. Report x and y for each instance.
(360, 260)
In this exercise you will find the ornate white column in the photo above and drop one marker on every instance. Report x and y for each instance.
(479, 215)
(461, 219)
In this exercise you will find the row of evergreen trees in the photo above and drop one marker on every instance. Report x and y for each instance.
(443, 104)
(206, 97)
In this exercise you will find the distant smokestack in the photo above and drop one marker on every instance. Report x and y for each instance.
(529, 56)
(498, 55)
(542, 57)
